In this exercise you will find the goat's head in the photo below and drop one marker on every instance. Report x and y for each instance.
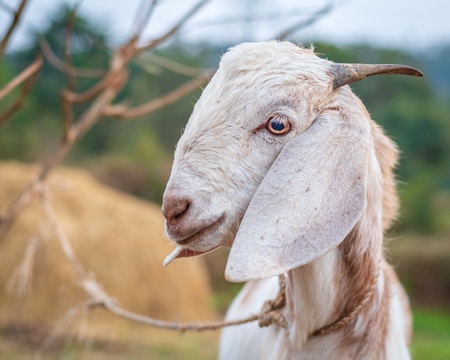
(270, 163)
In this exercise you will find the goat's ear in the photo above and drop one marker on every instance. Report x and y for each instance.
(310, 199)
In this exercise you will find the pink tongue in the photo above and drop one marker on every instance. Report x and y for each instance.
(180, 252)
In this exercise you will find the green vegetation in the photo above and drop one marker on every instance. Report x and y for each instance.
(431, 335)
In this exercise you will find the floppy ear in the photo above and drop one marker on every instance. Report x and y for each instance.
(310, 199)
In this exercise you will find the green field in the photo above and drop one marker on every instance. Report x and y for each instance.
(431, 335)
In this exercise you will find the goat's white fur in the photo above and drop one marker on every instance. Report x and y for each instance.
(316, 202)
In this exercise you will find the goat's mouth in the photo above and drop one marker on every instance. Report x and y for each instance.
(203, 232)
(182, 251)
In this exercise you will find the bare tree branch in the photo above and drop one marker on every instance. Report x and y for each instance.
(124, 113)
(20, 281)
(71, 78)
(67, 114)
(147, 8)
(257, 17)
(147, 67)
(61, 235)
(306, 22)
(154, 43)
(12, 26)
(61, 66)
(29, 83)
(103, 93)
(111, 306)
(66, 106)
(33, 68)
(169, 65)
(19, 203)
(90, 93)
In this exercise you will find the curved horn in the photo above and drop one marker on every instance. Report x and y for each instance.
(347, 73)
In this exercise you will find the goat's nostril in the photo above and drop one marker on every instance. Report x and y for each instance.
(174, 208)
(182, 210)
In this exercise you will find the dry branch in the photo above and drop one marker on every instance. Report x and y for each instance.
(33, 68)
(63, 67)
(305, 23)
(147, 8)
(169, 65)
(125, 113)
(154, 43)
(20, 281)
(19, 100)
(102, 94)
(16, 18)
(71, 78)
(29, 76)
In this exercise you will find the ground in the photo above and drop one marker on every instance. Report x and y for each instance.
(431, 342)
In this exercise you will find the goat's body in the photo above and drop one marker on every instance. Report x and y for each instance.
(283, 163)
(332, 286)
(252, 342)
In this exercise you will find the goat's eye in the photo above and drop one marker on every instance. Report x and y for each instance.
(278, 125)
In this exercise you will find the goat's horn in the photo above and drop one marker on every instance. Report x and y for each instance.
(348, 73)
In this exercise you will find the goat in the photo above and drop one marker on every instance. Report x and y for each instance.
(281, 162)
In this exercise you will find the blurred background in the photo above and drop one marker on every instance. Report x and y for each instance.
(116, 173)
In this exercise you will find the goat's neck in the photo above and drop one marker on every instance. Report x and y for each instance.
(332, 286)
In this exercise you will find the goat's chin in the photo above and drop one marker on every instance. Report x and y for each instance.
(181, 252)
(200, 242)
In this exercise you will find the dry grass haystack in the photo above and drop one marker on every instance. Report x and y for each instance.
(118, 237)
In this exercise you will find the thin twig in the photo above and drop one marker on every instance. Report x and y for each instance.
(170, 325)
(34, 67)
(71, 78)
(169, 65)
(154, 43)
(17, 104)
(90, 93)
(19, 203)
(124, 113)
(147, 8)
(67, 114)
(66, 320)
(20, 282)
(117, 76)
(61, 235)
(147, 67)
(61, 66)
(306, 22)
(14, 23)
(90, 117)
(267, 17)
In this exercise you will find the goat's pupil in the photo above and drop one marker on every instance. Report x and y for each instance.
(277, 125)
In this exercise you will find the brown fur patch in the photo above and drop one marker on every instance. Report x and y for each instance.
(360, 264)
(357, 276)
(387, 156)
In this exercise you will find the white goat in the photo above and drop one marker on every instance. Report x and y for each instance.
(281, 162)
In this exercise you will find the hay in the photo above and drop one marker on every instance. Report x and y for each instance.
(116, 236)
